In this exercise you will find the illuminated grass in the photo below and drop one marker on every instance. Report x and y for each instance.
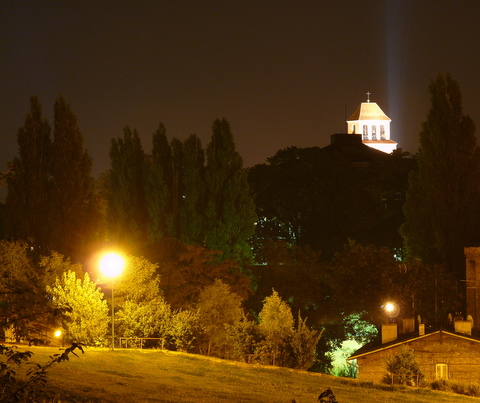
(102, 375)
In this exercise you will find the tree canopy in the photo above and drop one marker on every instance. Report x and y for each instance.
(441, 208)
(51, 200)
(85, 317)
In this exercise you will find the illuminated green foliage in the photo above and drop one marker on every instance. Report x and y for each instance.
(185, 329)
(85, 316)
(219, 308)
(276, 319)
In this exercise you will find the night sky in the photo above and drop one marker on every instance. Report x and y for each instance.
(282, 73)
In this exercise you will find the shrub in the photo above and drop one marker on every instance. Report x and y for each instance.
(185, 329)
(461, 388)
(304, 343)
(403, 368)
(244, 337)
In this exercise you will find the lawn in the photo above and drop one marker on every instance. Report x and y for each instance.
(102, 375)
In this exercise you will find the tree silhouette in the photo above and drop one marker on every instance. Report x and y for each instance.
(441, 208)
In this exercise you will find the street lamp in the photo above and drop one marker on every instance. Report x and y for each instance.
(392, 310)
(112, 266)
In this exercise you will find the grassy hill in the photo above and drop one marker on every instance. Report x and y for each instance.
(102, 375)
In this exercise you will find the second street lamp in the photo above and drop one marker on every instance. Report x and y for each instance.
(111, 265)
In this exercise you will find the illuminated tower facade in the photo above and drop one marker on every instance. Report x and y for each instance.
(374, 126)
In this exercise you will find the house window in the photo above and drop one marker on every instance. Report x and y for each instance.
(365, 132)
(374, 132)
(441, 371)
(382, 132)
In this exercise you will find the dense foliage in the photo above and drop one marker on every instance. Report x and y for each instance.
(441, 209)
(51, 200)
(85, 317)
(208, 240)
(175, 193)
(403, 368)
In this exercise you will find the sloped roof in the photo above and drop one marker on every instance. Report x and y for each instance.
(368, 111)
(374, 347)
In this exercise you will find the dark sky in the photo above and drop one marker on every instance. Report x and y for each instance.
(282, 73)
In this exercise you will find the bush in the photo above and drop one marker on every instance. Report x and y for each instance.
(244, 338)
(461, 388)
(403, 368)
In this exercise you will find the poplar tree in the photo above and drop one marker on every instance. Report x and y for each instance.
(177, 190)
(127, 213)
(158, 184)
(27, 202)
(74, 205)
(230, 211)
(192, 214)
(441, 208)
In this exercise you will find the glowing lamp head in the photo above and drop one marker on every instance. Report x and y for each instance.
(391, 309)
(57, 333)
(112, 265)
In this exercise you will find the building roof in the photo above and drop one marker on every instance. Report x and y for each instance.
(351, 146)
(375, 347)
(368, 111)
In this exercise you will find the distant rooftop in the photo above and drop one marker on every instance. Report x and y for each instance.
(369, 111)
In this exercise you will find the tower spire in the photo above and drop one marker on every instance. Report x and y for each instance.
(368, 96)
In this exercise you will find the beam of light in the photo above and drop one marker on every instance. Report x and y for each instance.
(396, 64)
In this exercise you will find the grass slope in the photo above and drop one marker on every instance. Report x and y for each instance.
(102, 375)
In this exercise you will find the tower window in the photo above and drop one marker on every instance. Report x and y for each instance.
(382, 132)
(374, 132)
(365, 132)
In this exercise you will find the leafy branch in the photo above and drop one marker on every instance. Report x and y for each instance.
(11, 388)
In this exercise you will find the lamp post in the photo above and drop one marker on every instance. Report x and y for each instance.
(392, 310)
(112, 266)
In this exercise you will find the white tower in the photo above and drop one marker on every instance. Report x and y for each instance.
(374, 126)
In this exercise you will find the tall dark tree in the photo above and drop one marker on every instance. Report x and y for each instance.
(177, 191)
(127, 214)
(158, 185)
(28, 189)
(230, 208)
(441, 209)
(75, 214)
(192, 215)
